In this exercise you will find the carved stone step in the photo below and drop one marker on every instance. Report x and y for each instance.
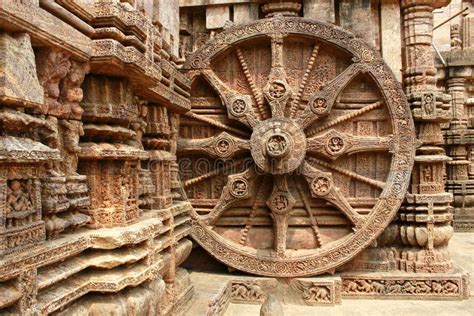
(97, 280)
(104, 260)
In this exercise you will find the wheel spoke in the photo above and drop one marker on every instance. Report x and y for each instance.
(322, 186)
(333, 144)
(321, 102)
(304, 81)
(240, 107)
(240, 186)
(277, 91)
(312, 219)
(258, 197)
(215, 123)
(213, 173)
(374, 183)
(343, 118)
(256, 94)
(281, 203)
(223, 145)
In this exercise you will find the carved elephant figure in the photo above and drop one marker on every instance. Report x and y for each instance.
(255, 292)
(351, 286)
(240, 291)
(450, 288)
(378, 287)
(323, 294)
(395, 289)
(422, 288)
(365, 286)
(408, 287)
(317, 294)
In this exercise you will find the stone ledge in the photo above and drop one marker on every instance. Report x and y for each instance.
(463, 226)
(44, 28)
(104, 281)
(70, 245)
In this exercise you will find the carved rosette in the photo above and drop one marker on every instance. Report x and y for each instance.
(305, 138)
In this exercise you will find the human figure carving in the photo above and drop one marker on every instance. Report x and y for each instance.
(17, 199)
(71, 92)
(52, 65)
(72, 130)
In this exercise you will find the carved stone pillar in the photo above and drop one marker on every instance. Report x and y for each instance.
(459, 139)
(425, 217)
(176, 187)
(64, 191)
(468, 31)
(27, 284)
(283, 7)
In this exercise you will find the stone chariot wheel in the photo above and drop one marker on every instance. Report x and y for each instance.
(298, 149)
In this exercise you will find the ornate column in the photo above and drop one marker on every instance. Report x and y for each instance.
(459, 138)
(283, 7)
(425, 217)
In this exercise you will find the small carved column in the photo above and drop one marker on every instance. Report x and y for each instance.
(458, 139)
(425, 217)
(27, 284)
(456, 42)
(64, 191)
(176, 187)
(284, 7)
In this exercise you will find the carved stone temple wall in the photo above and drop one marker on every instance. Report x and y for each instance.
(286, 138)
(90, 96)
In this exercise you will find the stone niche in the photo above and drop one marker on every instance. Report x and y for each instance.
(114, 192)
(22, 225)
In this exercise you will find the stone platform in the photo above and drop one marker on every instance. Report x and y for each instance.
(228, 294)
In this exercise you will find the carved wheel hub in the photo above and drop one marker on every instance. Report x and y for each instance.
(309, 143)
(278, 146)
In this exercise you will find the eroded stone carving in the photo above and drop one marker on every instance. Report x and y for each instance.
(246, 291)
